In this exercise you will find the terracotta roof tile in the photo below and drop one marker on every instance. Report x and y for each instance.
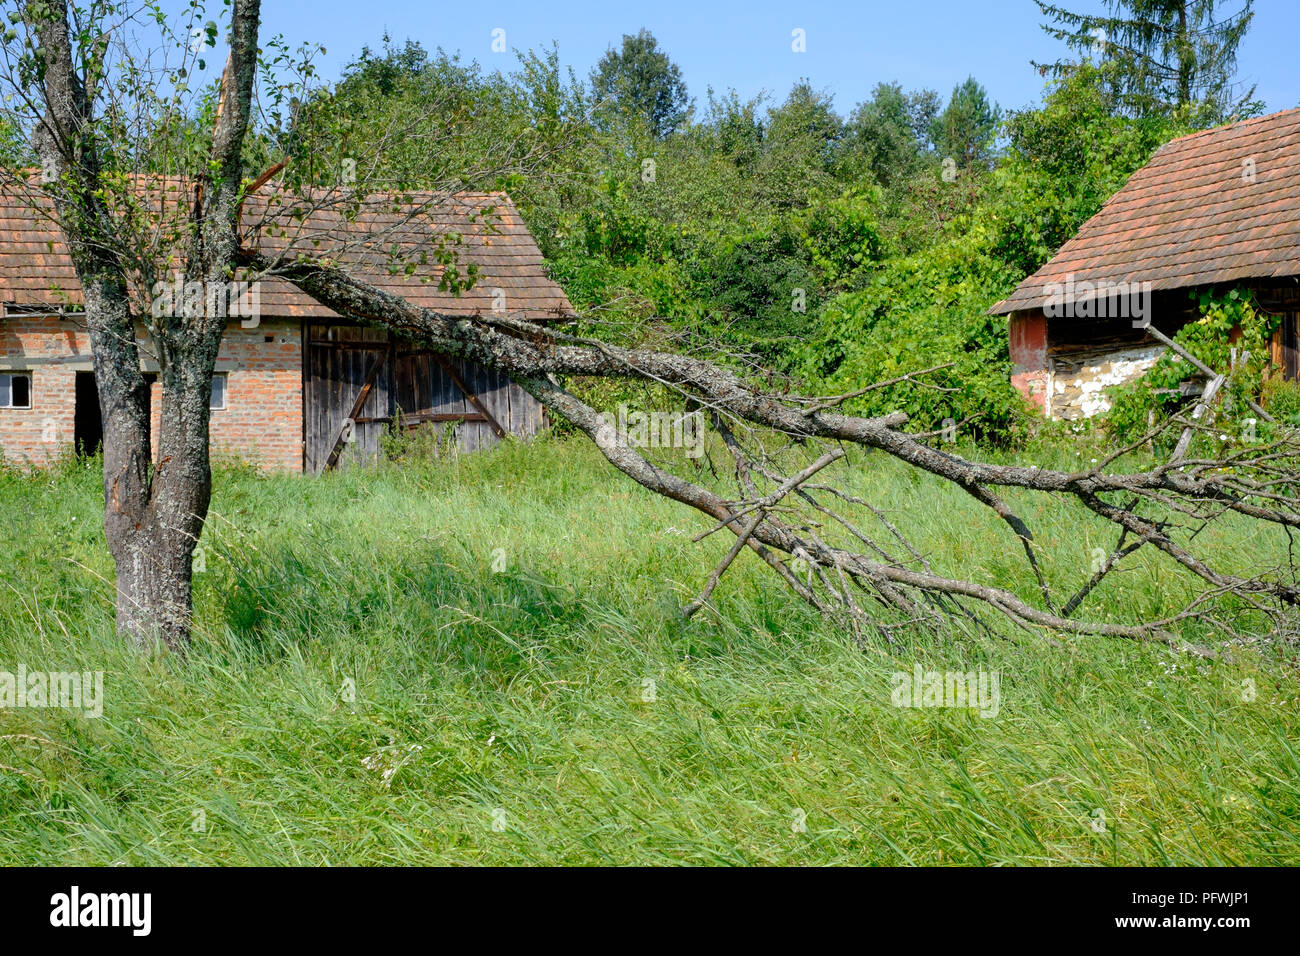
(1191, 216)
(35, 268)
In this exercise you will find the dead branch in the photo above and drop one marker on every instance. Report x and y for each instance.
(1255, 483)
(760, 511)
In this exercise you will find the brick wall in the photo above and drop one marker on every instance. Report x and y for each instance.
(1029, 367)
(51, 350)
(262, 420)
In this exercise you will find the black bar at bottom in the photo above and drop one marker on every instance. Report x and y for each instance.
(937, 907)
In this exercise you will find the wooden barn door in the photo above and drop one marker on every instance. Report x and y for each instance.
(359, 375)
(434, 388)
(348, 380)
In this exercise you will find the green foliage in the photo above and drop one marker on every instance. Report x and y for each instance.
(842, 236)
(801, 145)
(1281, 399)
(1064, 161)
(960, 246)
(403, 119)
(886, 137)
(921, 311)
(13, 148)
(734, 129)
(1228, 323)
(639, 80)
(759, 284)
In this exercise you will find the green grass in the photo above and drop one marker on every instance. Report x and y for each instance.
(524, 691)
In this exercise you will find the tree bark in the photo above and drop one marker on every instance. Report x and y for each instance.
(155, 506)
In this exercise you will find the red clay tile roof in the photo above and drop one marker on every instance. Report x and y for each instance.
(34, 264)
(1191, 216)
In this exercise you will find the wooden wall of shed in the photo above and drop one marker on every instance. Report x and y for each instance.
(1283, 300)
(426, 383)
(337, 361)
(411, 381)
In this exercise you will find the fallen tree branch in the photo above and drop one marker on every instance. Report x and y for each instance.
(760, 513)
(1200, 366)
(1256, 484)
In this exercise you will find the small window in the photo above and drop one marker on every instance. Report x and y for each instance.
(15, 390)
(218, 400)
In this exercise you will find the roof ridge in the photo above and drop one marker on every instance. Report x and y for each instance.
(1230, 125)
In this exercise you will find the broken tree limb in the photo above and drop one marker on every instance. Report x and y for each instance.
(1257, 484)
(760, 514)
(1200, 366)
(1199, 412)
(821, 404)
(741, 540)
(646, 473)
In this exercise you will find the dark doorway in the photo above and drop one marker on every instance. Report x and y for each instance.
(1290, 347)
(87, 428)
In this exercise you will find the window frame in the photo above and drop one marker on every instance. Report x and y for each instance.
(225, 392)
(19, 373)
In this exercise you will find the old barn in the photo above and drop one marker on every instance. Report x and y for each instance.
(1216, 209)
(299, 387)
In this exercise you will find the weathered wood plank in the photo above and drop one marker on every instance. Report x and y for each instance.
(367, 387)
(470, 392)
(424, 387)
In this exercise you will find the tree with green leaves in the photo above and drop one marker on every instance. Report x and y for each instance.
(1064, 159)
(434, 115)
(79, 92)
(802, 139)
(1167, 53)
(887, 135)
(640, 80)
(735, 128)
(966, 129)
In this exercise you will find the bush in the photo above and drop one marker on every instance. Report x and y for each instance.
(925, 310)
(1156, 394)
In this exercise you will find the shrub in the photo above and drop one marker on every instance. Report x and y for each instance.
(1211, 339)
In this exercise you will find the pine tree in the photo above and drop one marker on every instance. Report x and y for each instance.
(1161, 54)
(967, 127)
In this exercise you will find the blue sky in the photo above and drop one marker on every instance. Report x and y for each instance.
(851, 45)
